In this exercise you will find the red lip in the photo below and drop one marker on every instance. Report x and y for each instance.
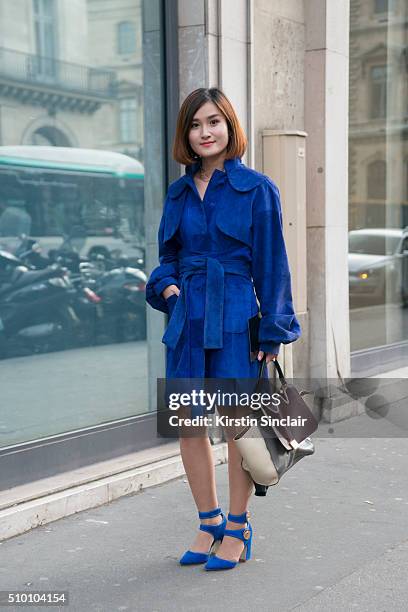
(205, 144)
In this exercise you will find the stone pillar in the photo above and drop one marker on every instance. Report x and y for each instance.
(326, 123)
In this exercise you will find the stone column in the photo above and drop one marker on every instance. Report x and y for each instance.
(326, 123)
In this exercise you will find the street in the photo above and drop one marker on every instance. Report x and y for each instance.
(332, 535)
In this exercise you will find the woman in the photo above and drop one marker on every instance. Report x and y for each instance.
(220, 237)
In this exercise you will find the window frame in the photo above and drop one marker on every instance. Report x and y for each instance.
(125, 114)
(373, 83)
(123, 38)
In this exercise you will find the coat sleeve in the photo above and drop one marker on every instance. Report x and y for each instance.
(270, 271)
(166, 273)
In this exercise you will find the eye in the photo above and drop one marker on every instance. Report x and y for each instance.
(214, 121)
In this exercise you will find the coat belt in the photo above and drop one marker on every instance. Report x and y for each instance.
(215, 269)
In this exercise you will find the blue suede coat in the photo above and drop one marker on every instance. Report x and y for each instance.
(218, 251)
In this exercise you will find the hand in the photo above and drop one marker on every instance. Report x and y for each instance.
(269, 356)
(168, 291)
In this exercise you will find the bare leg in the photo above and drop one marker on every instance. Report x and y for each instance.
(198, 462)
(241, 488)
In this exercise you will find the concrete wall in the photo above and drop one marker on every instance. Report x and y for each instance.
(279, 51)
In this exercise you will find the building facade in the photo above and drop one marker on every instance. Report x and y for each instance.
(89, 94)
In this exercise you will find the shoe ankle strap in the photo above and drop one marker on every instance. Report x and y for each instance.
(243, 534)
(239, 518)
(210, 513)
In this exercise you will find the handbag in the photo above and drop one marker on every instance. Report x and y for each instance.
(269, 450)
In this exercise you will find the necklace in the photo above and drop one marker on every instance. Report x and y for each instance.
(204, 176)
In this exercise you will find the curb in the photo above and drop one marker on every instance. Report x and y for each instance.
(23, 517)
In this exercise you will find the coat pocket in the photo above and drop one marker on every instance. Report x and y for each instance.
(240, 304)
(171, 302)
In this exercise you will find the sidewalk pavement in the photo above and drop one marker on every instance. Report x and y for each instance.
(40, 502)
(37, 503)
(332, 536)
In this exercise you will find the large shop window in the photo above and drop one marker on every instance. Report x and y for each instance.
(378, 192)
(79, 168)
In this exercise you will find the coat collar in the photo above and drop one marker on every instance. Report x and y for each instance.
(240, 177)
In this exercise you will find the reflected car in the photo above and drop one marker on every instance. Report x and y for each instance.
(378, 265)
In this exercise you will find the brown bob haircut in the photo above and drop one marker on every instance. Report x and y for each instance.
(237, 142)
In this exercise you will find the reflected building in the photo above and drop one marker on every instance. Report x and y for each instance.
(378, 175)
(72, 86)
(378, 149)
(115, 43)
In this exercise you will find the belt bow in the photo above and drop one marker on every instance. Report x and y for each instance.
(215, 270)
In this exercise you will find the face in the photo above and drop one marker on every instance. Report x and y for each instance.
(208, 136)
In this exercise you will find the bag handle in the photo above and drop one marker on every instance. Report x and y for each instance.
(278, 368)
(287, 444)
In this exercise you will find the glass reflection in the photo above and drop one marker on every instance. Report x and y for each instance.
(73, 163)
(378, 162)
(72, 249)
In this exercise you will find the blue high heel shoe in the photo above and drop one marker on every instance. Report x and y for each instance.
(217, 531)
(244, 534)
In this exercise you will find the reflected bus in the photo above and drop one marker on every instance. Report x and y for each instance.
(45, 192)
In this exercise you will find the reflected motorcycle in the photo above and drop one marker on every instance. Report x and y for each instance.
(36, 308)
(116, 289)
